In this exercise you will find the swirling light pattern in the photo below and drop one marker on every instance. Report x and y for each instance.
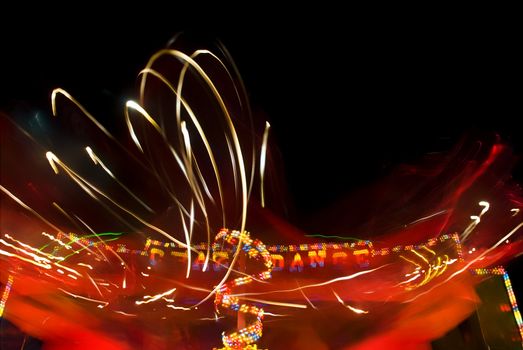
(255, 250)
(107, 239)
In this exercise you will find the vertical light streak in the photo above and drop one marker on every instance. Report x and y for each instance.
(241, 165)
(5, 294)
(203, 137)
(188, 240)
(263, 155)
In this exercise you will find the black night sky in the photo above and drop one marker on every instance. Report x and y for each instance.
(365, 96)
(375, 93)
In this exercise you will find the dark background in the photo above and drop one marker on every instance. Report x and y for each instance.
(348, 98)
(347, 102)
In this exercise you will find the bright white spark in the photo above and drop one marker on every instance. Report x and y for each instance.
(150, 299)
